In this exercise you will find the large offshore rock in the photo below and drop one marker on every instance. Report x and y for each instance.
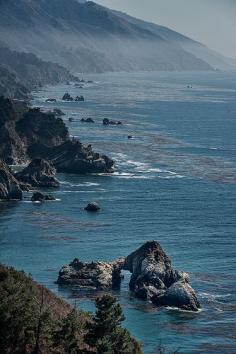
(39, 173)
(9, 186)
(94, 275)
(153, 278)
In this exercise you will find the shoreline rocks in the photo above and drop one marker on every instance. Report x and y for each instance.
(39, 173)
(9, 186)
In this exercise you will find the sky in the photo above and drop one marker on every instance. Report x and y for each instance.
(212, 22)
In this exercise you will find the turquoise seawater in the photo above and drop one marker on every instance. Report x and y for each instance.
(175, 182)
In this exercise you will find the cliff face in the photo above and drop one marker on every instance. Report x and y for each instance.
(26, 134)
(88, 37)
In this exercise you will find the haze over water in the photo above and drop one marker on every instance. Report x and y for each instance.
(174, 182)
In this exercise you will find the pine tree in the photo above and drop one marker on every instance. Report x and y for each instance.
(69, 334)
(105, 333)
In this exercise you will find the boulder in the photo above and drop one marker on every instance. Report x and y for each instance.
(40, 197)
(179, 294)
(93, 206)
(39, 173)
(107, 121)
(79, 98)
(9, 186)
(67, 97)
(95, 275)
(153, 278)
(87, 120)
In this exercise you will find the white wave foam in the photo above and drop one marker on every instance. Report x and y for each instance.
(85, 184)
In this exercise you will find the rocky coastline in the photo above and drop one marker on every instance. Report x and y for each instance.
(41, 140)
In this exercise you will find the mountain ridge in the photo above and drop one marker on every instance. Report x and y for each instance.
(88, 37)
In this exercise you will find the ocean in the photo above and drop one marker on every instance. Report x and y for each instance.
(174, 182)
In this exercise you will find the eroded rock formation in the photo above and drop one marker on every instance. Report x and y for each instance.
(153, 277)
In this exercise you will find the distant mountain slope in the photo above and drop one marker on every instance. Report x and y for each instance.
(88, 37)
(216, 60)
(22, 72)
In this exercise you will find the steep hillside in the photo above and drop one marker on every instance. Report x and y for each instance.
(216, 60)
(22, 72)
(88, 37)
(34, 321)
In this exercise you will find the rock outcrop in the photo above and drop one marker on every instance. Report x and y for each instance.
(67, 97)
(9, 186)
(153, 278)
(95, 275)
(26, 134)
(40, 197)
(87, 120)
(39, 173)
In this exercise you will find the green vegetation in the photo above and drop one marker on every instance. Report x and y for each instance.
(35, 321)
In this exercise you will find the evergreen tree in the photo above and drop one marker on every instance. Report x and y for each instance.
(69, 334)
(105, 332)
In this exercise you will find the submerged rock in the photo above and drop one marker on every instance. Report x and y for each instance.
(9, 186)
(70, 119)
(153, 278)
(95, 275)
(40, 197)
(39, 173)
(93, 206)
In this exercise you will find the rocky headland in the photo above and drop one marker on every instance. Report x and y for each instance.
(28, 133)
(152, 277)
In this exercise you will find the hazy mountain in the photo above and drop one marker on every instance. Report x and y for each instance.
(216, 60)
(84, 36)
